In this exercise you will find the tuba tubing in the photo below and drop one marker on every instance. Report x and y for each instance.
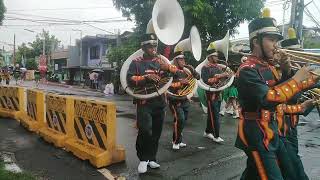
(207, 87)
(124, 83)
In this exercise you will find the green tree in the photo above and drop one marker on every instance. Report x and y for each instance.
(31, 64)
(51, 43)
(120, 53)
(2, 11)
(24, 52)
(212, 17)
(311, 40)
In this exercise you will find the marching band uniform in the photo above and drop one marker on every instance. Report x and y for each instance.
(288, 117)
(258, 96)
(210, 74)
(150, 112)
(179, 106)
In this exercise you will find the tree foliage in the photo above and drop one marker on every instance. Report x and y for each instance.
(51, 43)
(2, 11)
(212, 17)
(33, 49)
(120, 53)
(311, 40)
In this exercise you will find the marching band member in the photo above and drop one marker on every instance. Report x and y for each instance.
(258, 96)
(180, 107)
(150, 112)
(210, 74)
(288, 116)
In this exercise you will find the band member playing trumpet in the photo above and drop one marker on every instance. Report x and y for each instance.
(258, 96)
(288, 116)
(211, 73)
(150, 112)
(180, 106)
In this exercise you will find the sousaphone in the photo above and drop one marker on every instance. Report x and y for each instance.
(193, 45)
(167, 23)
(221, 46)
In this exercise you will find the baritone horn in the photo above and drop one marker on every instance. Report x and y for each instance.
(167, 23)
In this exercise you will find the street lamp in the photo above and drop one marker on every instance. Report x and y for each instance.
(79, 30)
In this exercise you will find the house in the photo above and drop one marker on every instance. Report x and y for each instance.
(59, 61)
(91, 55)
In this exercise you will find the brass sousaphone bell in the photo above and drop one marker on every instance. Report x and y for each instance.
(168, 24)
(193, 45)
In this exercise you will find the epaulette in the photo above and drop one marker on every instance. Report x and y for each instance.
(247, 64)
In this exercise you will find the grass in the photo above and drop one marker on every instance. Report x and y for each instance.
(7, 175)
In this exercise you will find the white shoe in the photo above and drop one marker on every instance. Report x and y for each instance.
(222, 113)
(208, 135)
(143, 167)
(154, 165)
(235, 116)
(218, 139)
(229, 112)
(182, 145)
(175, 146)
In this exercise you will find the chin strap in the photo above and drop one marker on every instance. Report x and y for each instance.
(260, 41)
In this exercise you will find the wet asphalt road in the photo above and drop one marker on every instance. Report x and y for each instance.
(201, 159)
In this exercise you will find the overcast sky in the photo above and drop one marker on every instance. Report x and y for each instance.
(89, 10)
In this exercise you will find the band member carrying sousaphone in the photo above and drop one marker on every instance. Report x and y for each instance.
(211, 73)
(183, 85)
(146, 75)
(150, 112)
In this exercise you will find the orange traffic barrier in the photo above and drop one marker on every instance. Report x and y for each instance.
(33, 119)
(11, 101)
(94, 133)
(59, 119)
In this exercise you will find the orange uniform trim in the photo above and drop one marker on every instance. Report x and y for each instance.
(281, 93)
(176, 84)
(260, 166)
(241, 130)
(293, 109)
(173, 68)
(307, 83)
(280, 114)
(138, 78)
(212, 80)
(267, 131)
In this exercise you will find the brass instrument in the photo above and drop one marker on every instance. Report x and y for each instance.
(299, 57)
(167, 23)
(192, 44)
(223, 83)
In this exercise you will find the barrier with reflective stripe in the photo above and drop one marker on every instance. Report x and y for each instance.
(59, 119)
(33, 119)
(94, 133)
(11, 101)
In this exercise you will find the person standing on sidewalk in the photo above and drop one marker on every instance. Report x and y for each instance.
(259, 94)
(210, 74)
(150, 112)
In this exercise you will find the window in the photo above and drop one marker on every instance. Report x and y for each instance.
(95, 52)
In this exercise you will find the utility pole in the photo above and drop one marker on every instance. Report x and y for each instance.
(44, 43)
(14, 50)
(297, 17)
(80, 60)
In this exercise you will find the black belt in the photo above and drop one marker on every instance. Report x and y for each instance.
(254, 115)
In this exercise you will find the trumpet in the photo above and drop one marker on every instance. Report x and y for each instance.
(299, 57)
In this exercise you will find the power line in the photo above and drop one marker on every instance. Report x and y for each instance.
(59, 9)
(316, 6)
